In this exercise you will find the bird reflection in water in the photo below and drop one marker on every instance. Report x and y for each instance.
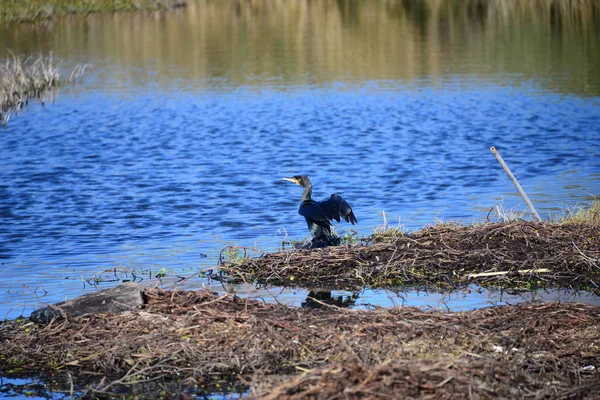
(320, 299)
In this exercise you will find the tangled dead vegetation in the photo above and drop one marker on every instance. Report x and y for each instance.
(467, 377)
(195, 340)
(516, 254)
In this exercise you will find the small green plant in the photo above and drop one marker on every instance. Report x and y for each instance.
(231, 255)
(349, 237)
(161, 273)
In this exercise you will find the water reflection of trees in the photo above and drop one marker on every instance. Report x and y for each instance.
(328, 40)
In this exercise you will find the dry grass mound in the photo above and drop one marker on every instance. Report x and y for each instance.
(187, 340)
(465, 378)
(512, 254)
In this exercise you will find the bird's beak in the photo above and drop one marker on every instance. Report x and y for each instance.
(291, 180)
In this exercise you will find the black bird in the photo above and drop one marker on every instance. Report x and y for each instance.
(319, 214)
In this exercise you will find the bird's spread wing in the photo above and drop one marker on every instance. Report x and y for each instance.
(313, 212)
(336, 207)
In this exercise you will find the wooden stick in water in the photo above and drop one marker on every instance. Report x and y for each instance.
(516, 182)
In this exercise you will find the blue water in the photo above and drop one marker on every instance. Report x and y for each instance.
(166, 180)
(155, 161)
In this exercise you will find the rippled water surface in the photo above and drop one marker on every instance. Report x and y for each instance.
(174, 144)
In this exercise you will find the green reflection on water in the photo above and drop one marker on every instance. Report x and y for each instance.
(551, 43)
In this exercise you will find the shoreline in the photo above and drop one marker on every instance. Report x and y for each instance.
(25, 11)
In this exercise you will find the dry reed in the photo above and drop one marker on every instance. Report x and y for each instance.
(22, 79)
(183, 340)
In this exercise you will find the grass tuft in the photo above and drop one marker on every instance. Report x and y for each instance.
(22, 79)
(582, 215)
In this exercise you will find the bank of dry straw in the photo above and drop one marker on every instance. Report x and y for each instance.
(188, 339)
(513, 254)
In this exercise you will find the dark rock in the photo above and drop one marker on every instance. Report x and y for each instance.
(124, 297)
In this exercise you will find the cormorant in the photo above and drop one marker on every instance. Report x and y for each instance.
(319, 214)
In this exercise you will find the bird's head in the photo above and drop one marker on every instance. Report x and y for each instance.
(301, 180)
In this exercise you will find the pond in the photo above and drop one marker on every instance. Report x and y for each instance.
(174, 144)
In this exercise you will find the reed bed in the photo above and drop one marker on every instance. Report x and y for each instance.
(515, 254)
(22, 79)
(197, 340)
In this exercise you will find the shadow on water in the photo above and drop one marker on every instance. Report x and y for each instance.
(320, 299)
